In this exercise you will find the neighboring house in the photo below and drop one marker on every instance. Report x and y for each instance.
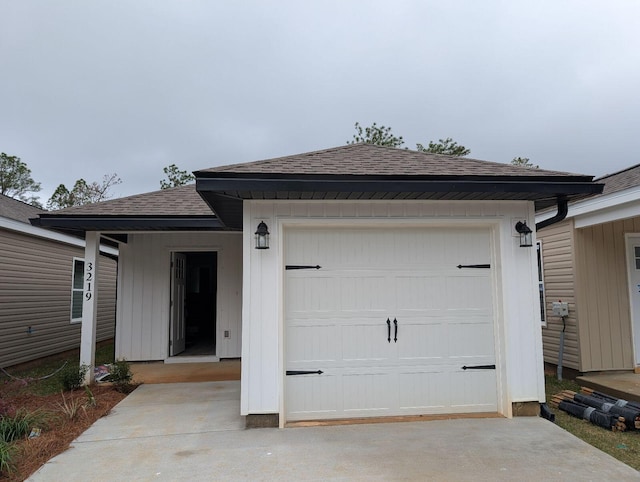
(592, 261)
(41, 288)
(393, 284)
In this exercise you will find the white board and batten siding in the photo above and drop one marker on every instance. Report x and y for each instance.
(276, 311)
(144, 290)
(35, 292)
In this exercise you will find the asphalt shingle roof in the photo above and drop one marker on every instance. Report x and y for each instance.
(18, 210)
(621, 180)
(374, 160)
(177, 201)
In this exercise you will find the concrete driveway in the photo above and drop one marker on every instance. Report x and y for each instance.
(192, 431)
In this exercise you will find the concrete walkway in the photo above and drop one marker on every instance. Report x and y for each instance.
(193, 431)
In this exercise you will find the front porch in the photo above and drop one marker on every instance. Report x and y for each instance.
(159, 372)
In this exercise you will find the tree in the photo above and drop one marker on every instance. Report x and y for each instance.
(379, 135)
(524, 162)
(83, 193)
(175, 177)
(16, 180)
(444, 146)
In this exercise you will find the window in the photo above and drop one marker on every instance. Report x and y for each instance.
(77, 290)
(543, 305)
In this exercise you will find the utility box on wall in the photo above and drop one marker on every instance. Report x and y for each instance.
(560, 308)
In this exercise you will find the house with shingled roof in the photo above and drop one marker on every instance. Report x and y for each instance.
(357, 281)
(41, 288)
(591, 260)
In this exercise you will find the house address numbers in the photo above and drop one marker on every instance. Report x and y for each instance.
(88, 293)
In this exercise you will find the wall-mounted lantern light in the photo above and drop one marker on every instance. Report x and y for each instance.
(262, 236)
(526, 238)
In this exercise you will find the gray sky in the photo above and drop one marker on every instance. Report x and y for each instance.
(130, 86)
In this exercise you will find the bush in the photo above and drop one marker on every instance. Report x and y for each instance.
(72, 376)
(121, 376)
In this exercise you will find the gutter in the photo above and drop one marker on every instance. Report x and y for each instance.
(563, 210)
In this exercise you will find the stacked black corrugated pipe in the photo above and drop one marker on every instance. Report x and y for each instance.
(593, 415)
(615, 406)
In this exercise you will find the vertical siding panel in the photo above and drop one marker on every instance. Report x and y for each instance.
(622, 289)
(609, 331)
(605, 313)
(144, 304)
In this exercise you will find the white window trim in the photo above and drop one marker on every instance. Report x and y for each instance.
(74, 290)
(543, 306)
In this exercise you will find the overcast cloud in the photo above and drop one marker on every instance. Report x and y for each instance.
(95, 87)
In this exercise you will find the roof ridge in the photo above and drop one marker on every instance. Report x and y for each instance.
(604, 176)
(22, 202)
(363, 145)
(118, 199)
(270, 159)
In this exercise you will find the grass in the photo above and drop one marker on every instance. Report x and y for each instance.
(41, 368)
(624, 446)
(7, 458)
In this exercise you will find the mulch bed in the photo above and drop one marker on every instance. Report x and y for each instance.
(61, 431)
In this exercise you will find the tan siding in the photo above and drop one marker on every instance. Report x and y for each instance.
(559, 282)
(605, 320)
(35, 291)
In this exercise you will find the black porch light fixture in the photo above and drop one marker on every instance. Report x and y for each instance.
(262, 236)
(526, 238)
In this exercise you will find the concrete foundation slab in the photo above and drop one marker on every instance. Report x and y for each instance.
(184, 440)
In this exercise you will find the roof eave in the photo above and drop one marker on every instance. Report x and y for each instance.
(128, 223)
(394, 185)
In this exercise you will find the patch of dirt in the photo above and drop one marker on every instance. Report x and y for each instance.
(61, 430)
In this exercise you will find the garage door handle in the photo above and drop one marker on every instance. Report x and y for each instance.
(395, 336)
(304, 372)
(480, 367)
(388, 330)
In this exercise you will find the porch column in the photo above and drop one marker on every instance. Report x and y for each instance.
(90, 303)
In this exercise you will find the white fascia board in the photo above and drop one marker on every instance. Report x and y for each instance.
(628, 210)
(28, 229)
(602, 209)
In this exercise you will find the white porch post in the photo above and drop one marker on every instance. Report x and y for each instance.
(90, 303)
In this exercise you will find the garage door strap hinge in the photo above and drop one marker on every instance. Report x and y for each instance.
(304, 372)
(480, 367)
(460, 266)
(296, 266)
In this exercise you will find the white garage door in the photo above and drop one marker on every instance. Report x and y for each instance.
(395, 327)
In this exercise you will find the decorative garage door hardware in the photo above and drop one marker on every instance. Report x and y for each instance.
(460, 266)
(304, 372)
(302, 266)
(395, 335)
(480, 367)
